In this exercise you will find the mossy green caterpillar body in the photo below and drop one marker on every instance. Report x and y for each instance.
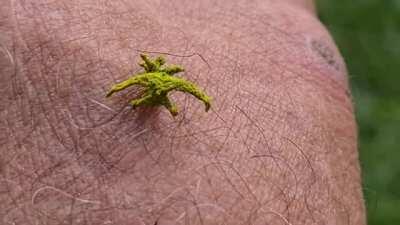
(158, 81)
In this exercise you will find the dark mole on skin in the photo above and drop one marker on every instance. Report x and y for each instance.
(326, 53)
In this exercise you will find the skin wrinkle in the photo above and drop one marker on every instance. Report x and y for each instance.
(109, 161)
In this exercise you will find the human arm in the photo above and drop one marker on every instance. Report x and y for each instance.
(278, 146)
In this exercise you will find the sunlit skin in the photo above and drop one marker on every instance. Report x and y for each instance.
(278, 147)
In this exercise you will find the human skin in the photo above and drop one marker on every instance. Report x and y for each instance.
(279, 145)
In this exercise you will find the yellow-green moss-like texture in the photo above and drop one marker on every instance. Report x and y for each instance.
(158, 80)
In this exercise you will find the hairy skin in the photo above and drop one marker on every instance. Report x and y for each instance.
(278, 146)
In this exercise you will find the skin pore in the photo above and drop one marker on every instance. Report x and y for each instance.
(277, 147)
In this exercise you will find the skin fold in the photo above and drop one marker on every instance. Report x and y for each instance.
(278, 146)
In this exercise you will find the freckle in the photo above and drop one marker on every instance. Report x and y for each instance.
(348, 93)
(326, 53)
(2, 167)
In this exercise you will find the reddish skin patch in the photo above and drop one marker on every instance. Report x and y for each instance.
(279, 146)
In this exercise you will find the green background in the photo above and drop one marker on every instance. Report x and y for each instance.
(368, 35)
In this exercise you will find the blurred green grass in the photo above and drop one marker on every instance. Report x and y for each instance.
(368, 35)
